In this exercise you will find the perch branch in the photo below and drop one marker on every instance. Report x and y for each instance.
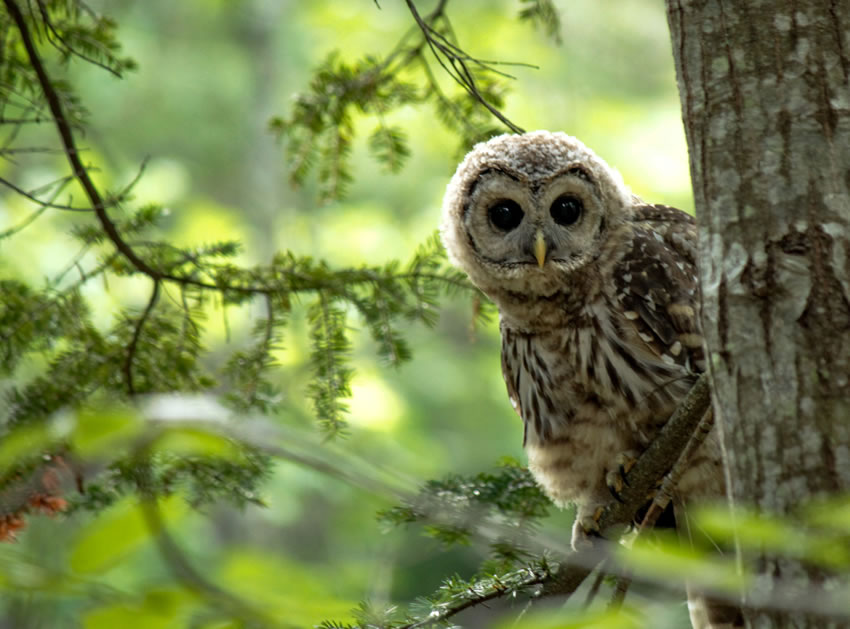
(658, 459)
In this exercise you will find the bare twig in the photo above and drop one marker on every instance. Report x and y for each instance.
(454, 62)
(623, 583)
(664, 495)
(137, 333)
(42, 202)
(594, 589)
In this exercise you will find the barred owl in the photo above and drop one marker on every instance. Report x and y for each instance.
(597, 296)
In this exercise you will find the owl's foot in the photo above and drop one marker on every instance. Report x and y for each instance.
(617, 479)
(586, 527)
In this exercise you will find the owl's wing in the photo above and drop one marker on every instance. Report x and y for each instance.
(656, 284)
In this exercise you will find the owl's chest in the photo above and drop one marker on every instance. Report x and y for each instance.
(593, 377)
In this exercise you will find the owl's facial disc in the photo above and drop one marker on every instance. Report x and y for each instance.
(524, 213)
(532, 225)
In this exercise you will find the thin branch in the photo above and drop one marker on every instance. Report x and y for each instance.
(34, 215)
(137, 333)
(24, 223)
(623, 583)
(664, 495)
(41, 202)
(71, 152)
(65, 45)
(457, 59)
(19, 121)
(594, 589)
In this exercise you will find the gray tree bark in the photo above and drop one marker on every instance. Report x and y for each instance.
(766, 107)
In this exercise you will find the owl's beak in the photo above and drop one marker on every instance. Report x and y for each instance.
(540, 248)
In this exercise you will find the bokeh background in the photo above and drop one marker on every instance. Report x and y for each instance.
(211, 75)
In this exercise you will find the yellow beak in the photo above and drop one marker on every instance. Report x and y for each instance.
(540, 248)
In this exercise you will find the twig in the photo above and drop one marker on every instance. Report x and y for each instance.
(41, 202)
(24, 223)
(594, 589)
(664, 495)
(70, 146)
(623, 583)
(137, 333)
(457, 59)
(62, 43)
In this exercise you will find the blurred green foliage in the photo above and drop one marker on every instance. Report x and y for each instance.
(272, 514)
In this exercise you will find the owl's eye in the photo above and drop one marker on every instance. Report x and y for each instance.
(505, 215)
(566, 209)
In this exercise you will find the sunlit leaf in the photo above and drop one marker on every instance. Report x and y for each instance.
(758, 531)
(118, 531)
(22, 443)
(289, 589)
(159, 609)
(833, 512)
(104, 431)
(666, 559)
(187, 441)
(623, 618)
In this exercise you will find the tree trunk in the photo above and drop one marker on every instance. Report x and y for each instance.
(766, 108)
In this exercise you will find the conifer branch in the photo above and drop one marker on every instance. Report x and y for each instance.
(69, 144)
(134, 342)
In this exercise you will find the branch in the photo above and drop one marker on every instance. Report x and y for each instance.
(137, 333)
(62, 43)
(457, 59)
(71, 152)
(658, 459)
(41, 202)
(498, 592)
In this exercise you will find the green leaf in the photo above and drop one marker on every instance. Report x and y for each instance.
(102, 431)
(23, 443)
(623, 618)
(757, 532)
(118, 531)
(159, 609)
(285, 588)
(186, 441)
(666, 559)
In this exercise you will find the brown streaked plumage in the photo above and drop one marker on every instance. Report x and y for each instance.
(598, 301)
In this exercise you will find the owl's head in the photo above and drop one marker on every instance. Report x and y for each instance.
(523, 212)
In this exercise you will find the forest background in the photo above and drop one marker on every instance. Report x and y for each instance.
(198, 111)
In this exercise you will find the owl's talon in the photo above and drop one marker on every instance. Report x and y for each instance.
(586, 527)
(617, 480)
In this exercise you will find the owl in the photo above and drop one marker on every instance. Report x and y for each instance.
(598, 303)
